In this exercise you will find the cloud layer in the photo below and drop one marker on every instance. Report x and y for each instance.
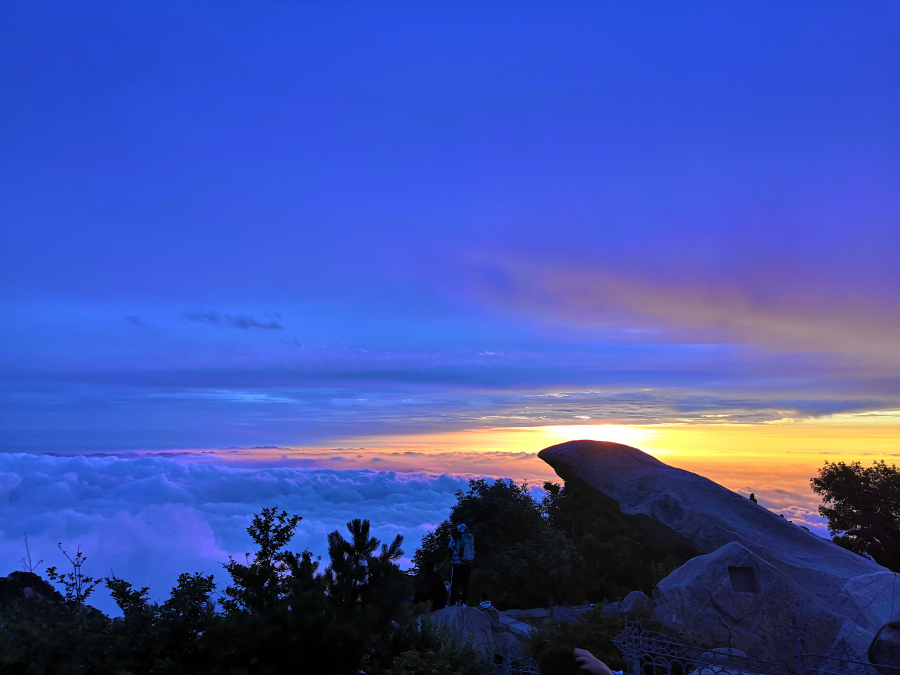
(853, 316)
(204, 409)
(147, 519)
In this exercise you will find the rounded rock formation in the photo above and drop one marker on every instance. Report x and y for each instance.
(701, 513)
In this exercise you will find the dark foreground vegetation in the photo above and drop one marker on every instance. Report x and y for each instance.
(573, 546)
(281, 611)
(862, 506)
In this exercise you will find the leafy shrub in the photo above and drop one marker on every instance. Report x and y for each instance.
(435, 651)
(573, 546)
(594, 632)
(862, 506)
(519, 558)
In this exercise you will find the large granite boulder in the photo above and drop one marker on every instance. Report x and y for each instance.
(868, 599)
(636, 603)
(711, 516)
(473, 625)
(470, 623)
(732, 597)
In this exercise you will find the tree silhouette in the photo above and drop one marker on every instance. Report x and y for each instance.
(77, 586)
(279, 615)
(262, 582)
(862, 506)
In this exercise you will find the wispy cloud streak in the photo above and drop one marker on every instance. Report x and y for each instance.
(235, 321)
(775, 313)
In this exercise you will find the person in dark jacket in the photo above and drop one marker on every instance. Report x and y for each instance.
(430, 587)
(462, 553)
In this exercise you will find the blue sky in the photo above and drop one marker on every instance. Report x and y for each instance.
(417, 226)
(231, 224)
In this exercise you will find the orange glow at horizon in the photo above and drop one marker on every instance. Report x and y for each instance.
(774, 460)
(845, 437)
(773, 457)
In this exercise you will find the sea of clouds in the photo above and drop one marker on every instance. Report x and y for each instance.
(147, 519)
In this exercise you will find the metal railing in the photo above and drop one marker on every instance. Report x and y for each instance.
(569, 614)
(649, 652)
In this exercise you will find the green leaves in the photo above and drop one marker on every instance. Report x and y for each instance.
(862, 506)
(263, 583)
(571, 546)
(272, 531)
(76, 585)
(351, 557)
(362, 584)
(131, 602)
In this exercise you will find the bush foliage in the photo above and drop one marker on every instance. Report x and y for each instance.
(862, 506)
(568, 547)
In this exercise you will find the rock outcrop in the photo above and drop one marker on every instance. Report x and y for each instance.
(474, 625)
(636, 603)
(729, 598)
(26, 587)
(856, 590)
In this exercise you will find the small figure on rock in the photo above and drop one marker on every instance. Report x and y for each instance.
(753, 498)
(462, 553)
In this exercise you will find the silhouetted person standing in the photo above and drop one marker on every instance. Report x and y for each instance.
(462, 553)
